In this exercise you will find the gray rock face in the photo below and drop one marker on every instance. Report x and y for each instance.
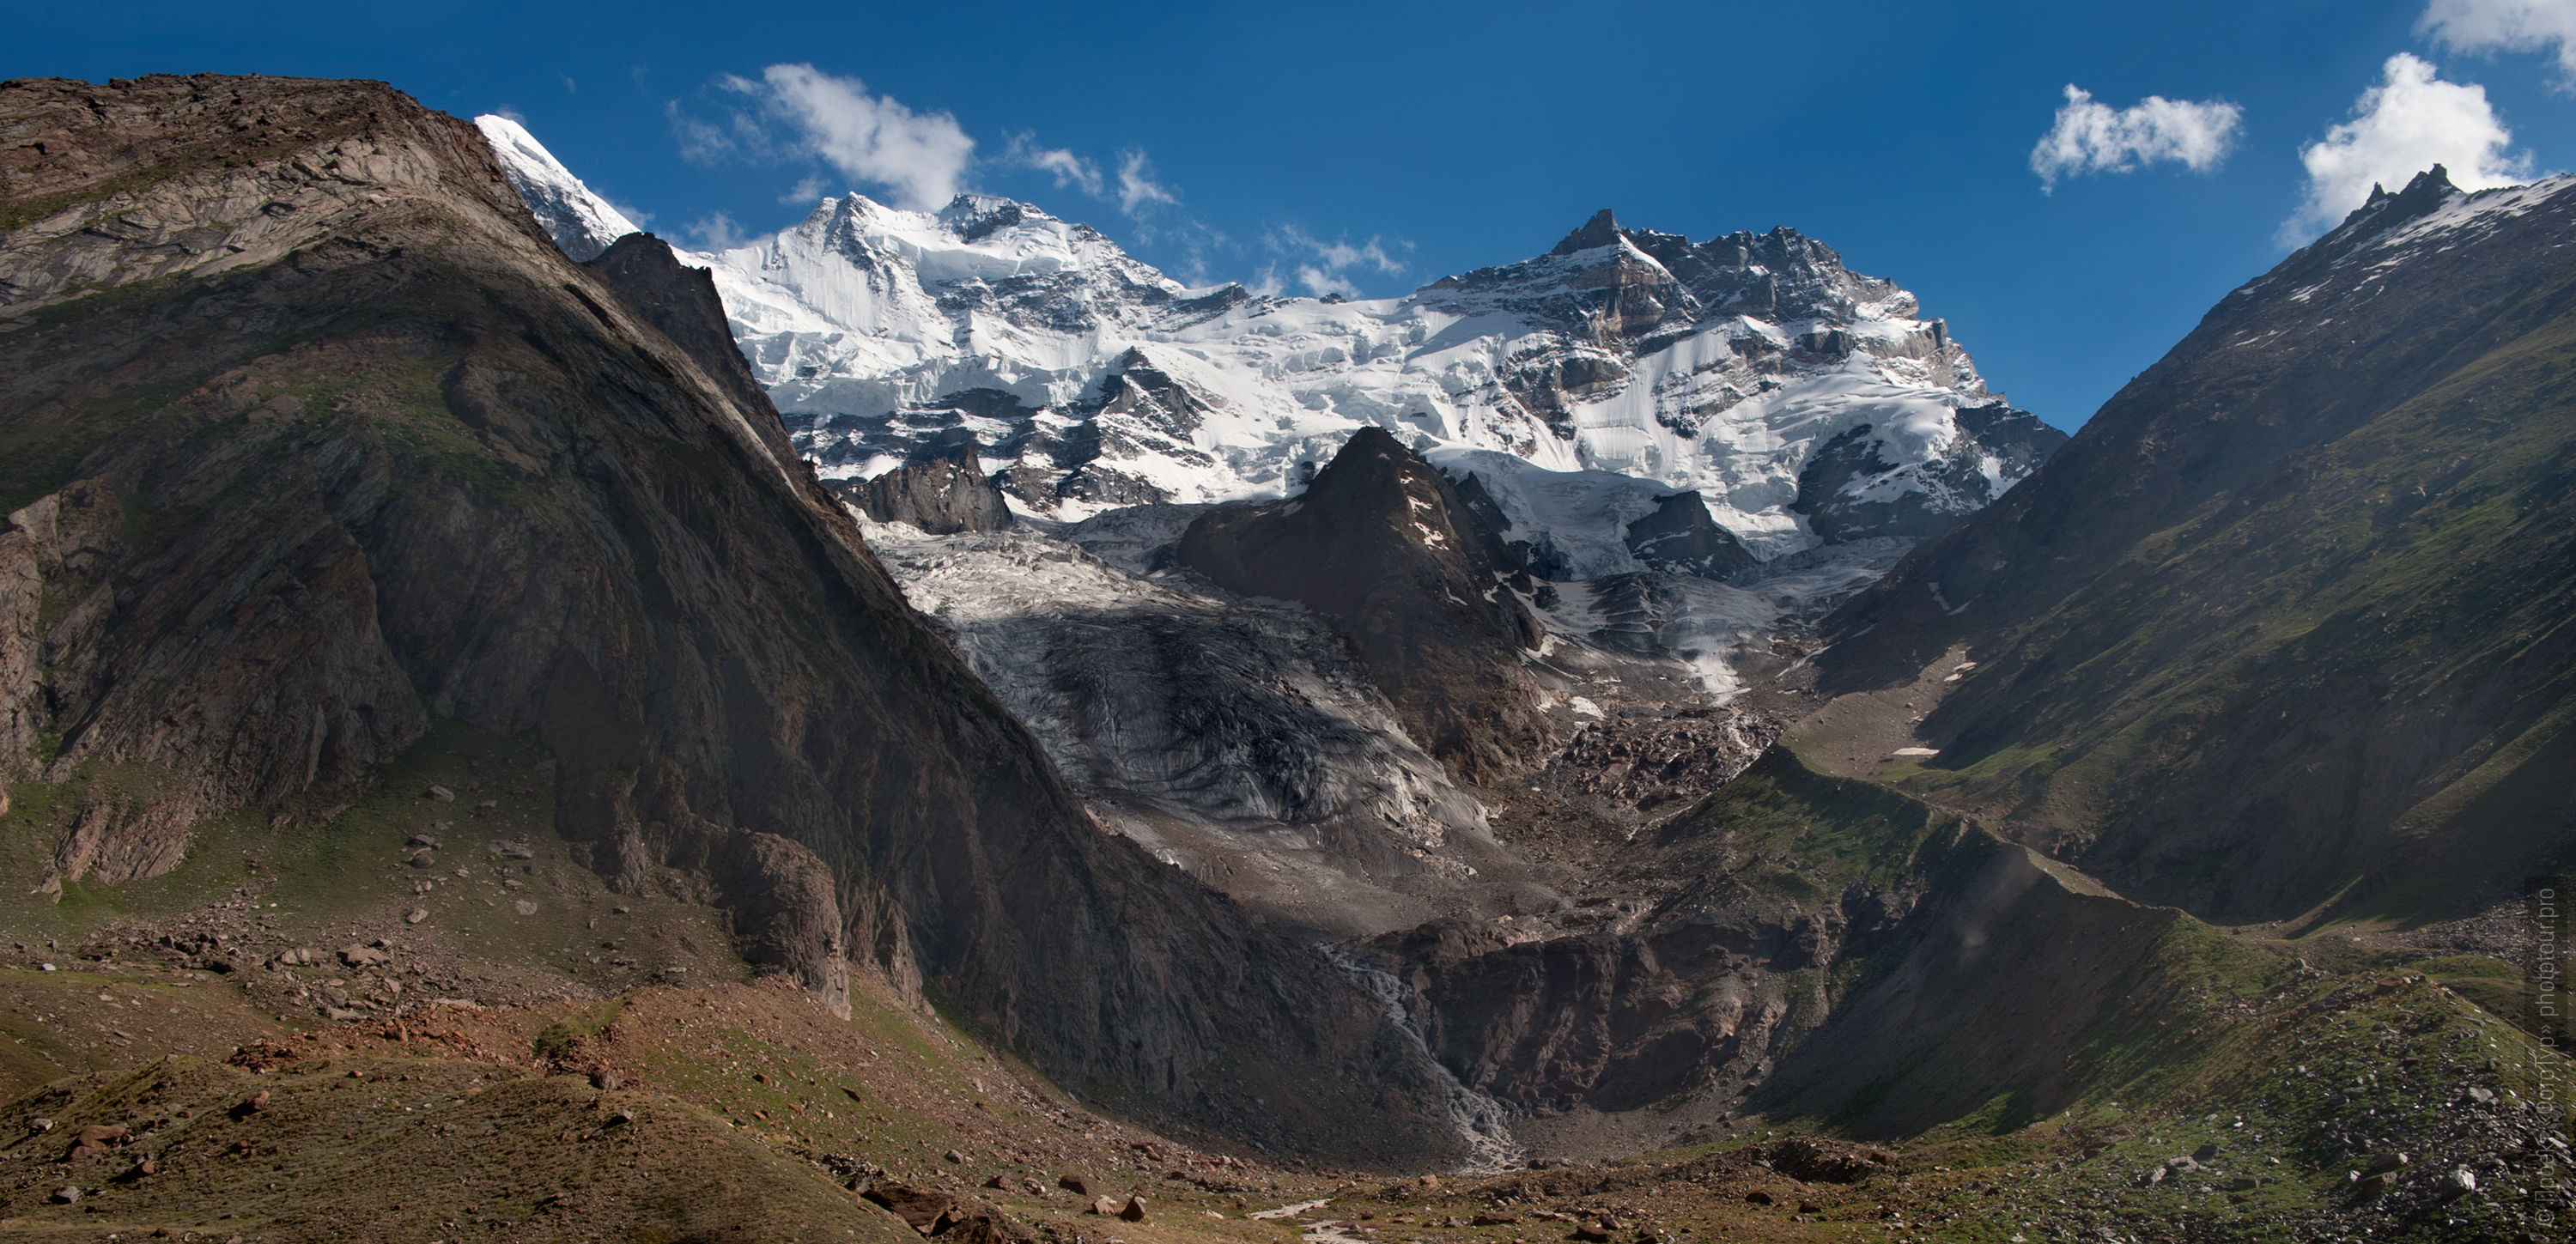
(942, 495)
(1681, 537)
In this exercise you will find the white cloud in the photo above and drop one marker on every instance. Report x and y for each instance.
(807, 190)
(717, 231)
(1064, 166)
(1137, 188)
(921, 157)
(1320, 282)
(1340, 254)
(1325, 267)
(2506, 26)
(2408, 123)
(2091, 137)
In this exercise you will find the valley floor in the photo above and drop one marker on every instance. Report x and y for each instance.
(292, 1037)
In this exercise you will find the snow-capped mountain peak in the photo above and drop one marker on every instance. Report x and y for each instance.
(1803, 402)
(579, 221)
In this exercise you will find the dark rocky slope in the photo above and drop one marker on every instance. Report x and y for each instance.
(1382, 543)
(2289, 618)
(307, 435)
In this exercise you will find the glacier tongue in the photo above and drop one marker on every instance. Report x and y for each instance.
(1805, 403)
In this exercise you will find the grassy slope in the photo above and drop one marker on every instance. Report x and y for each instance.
(2105, 1036)
(2386, 608)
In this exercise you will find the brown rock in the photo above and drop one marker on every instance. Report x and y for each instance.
(1758, 1197)
(100, 1133)
(416, 915)
(994, 1182)
(921, 1209)
(441, 794)
(65, 1195)
(1493, 1220)
(1074, 1184)
(955, 1157)
(983, 1229)
(606, 1079)
(1133, 1210)
(1106, 1207)
(1590, 1234)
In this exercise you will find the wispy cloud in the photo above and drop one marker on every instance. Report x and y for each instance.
(716, 231)
(1137, 189)
(2506, 26)
(2092, 137)
(1320, 267)
(2408, 123)
(1063, 165)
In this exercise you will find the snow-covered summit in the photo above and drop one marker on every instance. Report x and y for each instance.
(1801, 401)
(582, 223)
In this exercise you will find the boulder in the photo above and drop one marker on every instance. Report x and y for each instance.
(921, 1209)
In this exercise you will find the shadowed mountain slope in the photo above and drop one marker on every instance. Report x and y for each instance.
(309, 436)
(2290, 618)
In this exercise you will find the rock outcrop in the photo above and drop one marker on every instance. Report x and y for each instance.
(942, 495)
(1382, 544)
(1680, 536)
(373, 449)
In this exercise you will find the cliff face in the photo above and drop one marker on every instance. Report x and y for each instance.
(2287, 620)
(307, 435)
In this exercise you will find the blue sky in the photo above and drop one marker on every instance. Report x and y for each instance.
(1280, 142)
